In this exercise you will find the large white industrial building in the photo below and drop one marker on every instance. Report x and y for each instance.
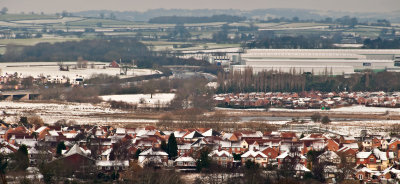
(319, 61)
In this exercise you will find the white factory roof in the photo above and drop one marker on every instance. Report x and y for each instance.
(318, 60)
(353, 51)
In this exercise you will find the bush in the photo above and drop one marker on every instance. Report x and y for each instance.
(122, 105)
(316, 117)
(36, 120)
(325, 120)
(83, 95)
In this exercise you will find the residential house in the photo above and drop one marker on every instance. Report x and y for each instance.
(255, 156)
(222, 157)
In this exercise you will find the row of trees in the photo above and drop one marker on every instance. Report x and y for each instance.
(297, 81)
(94, 50)
(382, 43)
(289, 42)
(124, 49)
(345, 21)
(191, 19)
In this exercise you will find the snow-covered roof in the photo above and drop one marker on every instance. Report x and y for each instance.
(179, 134)
(109, 163)
(208, 133)
(363, 154)
(184, 146)
(254, 134)
(107, 152)
(5, 151)
(328, 155)
(27, 142)
(151, 152)
(285, 154)
(301, 167)
(41, 129)
(225, 144)
(379, 154)
(227, 136)
(70, 135)
(351, 145)
(365, 169)
(185, 159)
(349, 138)
(120, 131)
(252, 153)
(220, 153)
(76, 150)
(53, 133)
(193, 134)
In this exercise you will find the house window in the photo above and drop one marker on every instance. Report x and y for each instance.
(258, 158)
(361, 160)
(269, 154)
(360, 176)
(371, 160)
(107, 168)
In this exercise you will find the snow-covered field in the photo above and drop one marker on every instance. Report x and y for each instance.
(36, 69)
(157, 98)
(48, 21)
(81, 113)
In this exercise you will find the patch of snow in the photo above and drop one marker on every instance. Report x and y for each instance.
(37, 69)
(162, 98)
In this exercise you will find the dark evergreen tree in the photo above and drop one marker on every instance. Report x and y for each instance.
(20, 159)
(172, 146)
(23, 149)
(137, 153)
(204, 161)
(3, 169)
(164, 146)
(60, 146)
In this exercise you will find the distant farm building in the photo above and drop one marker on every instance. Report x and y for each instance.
(114, 64)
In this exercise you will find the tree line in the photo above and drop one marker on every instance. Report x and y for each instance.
(268, 40)
(191, 19)
(380, 43)
(296, 81)
(344, 21)
(94, 50)
(116, 49)
(291, 42)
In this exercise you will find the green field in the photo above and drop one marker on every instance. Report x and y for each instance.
(205, 31)
(34, 41)
(17, 17)
(104, 22)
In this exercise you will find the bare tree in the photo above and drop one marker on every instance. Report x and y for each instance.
(289, 164)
